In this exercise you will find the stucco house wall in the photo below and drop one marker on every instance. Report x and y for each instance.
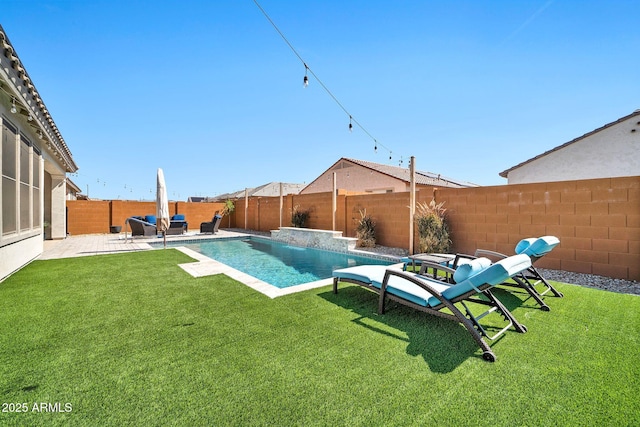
(34, 160)
(607, 152)
(361, 176)
(355, 178)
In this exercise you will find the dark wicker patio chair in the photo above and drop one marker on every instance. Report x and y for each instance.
(141, 228)
(211, 227)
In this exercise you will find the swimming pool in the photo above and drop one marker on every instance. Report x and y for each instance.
(277, 263)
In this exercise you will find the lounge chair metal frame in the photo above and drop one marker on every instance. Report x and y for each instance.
(467, 319)
(527, 280)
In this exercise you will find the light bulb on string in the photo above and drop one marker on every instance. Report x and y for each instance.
(375, 146)
(13, 106)
(322, 85)
(305, 81)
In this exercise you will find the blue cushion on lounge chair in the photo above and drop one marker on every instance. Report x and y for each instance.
(177, 217)
(470, 268)
(541, 246)
(492, 275)
(151, 219)
(524, 244)
(370, 274)
(411, 292)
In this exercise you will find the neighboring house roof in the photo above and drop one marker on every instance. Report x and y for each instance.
(403, 174)
(505, 173)
(270, 189)
(16, 83)
(72, 187)
(196, 199)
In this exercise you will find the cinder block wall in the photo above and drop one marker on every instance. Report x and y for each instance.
(269, 213)
(597, 222)
(88, 217)
(390, 212)
(197, 213)
(319, 207)
(96, 216)
(123, 209)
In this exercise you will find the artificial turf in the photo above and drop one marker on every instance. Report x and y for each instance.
(131, 339)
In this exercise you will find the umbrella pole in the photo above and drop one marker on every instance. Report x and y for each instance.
(164, 237)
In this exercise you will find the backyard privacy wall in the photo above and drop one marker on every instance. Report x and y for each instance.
(96, 216)
(597, 221)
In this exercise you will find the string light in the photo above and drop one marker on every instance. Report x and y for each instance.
(13, 106)
(306, 78)
(352, 121)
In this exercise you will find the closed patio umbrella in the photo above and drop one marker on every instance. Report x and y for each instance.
(162, 207)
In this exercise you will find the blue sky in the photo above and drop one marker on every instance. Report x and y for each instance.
(211, 93)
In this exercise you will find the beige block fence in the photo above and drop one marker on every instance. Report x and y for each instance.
(597, 221)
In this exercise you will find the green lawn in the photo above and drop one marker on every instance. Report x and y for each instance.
(131, 339)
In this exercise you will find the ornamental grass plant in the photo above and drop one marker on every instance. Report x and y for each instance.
(365, 230)
(433, 230)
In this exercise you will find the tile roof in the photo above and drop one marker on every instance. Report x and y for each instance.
(422, 177)
(268, 190)
(28, 99)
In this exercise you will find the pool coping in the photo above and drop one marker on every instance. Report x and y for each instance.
(205, 266)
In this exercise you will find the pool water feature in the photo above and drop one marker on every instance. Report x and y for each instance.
(279, 264)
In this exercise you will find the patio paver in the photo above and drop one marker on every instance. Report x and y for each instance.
(98, 244)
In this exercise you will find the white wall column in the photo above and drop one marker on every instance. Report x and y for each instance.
(58, 206)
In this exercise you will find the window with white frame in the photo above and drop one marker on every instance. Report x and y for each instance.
(25, 184)
(9, 178)
(35, 185)
(21, 192)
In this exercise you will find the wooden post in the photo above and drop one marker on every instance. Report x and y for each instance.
(246, 207)
(412, 202)
(281, 204)
(334, 201)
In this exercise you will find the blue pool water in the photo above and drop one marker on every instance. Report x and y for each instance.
(277, 263)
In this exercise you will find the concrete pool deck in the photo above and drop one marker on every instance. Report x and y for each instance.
(101, 244)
